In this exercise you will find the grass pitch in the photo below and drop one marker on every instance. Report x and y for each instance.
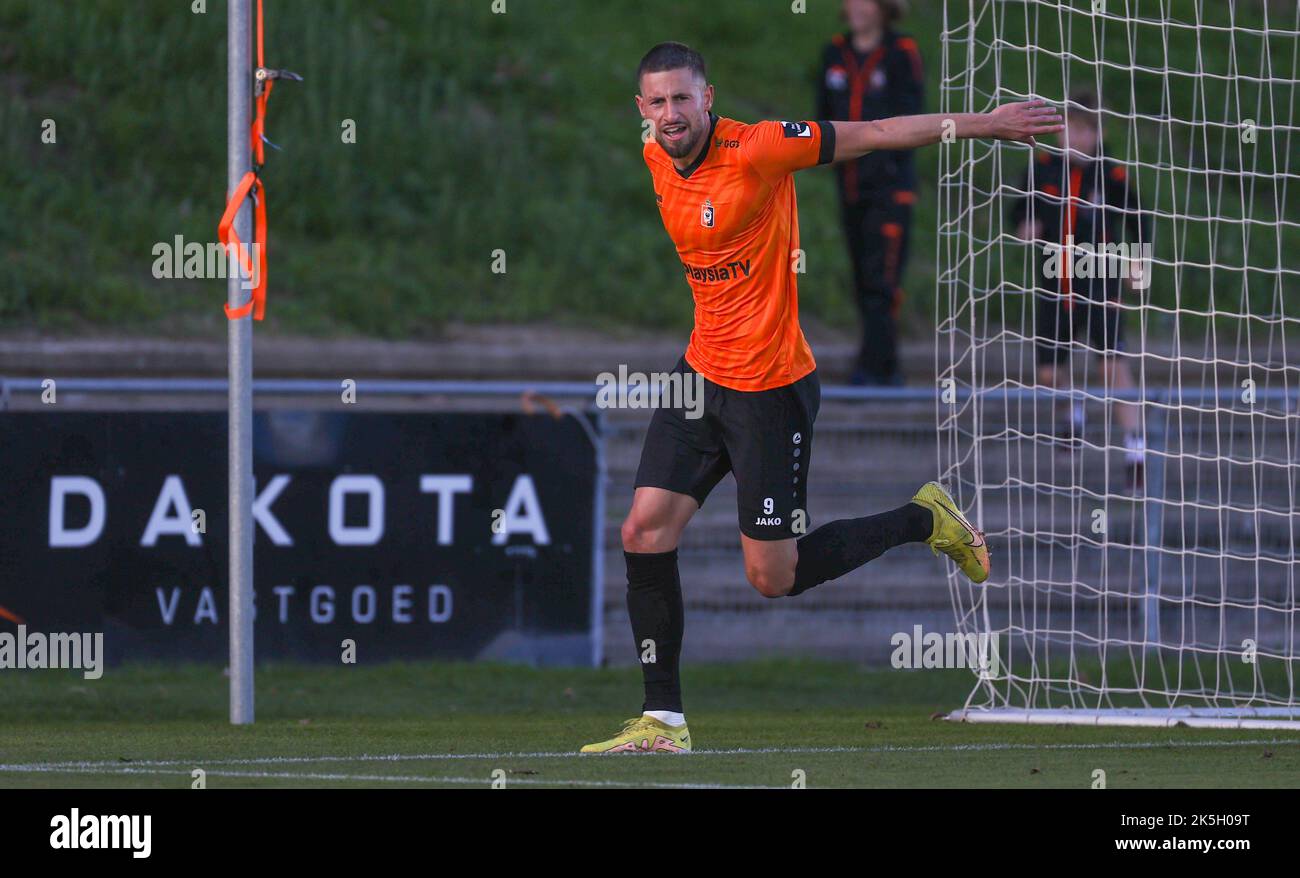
(459, 725)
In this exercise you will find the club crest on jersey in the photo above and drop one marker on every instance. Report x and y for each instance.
(797, 129)
(706, 214)
(837, 78)
(878, 79)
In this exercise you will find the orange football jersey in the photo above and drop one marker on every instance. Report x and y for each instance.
(733, 217)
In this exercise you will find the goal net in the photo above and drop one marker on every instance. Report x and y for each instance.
(1118, 356)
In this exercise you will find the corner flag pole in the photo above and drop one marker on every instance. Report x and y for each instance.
(239, 91)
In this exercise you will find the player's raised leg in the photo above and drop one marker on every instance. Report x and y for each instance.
(769, 439)
(779, 568)
(841, 546)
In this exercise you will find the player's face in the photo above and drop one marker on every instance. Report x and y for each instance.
(678, 103)
(1081, 136)
(863, 15)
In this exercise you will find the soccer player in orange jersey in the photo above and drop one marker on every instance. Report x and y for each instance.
(726, 195)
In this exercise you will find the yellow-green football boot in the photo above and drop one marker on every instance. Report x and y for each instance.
(953, 534)
(645, 734)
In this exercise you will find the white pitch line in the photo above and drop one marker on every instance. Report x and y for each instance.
(1108, 745)
(569, 754)
(412, 757)
(421, 779)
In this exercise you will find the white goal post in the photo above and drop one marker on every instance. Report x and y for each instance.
(1139, 495)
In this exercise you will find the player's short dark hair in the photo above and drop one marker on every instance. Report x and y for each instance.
(670, 56)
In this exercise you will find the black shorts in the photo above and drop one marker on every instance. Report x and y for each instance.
(1062, 328)
(764, 437)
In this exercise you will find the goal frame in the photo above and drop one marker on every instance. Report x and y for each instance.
(992, 701)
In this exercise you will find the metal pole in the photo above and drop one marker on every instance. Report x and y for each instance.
(1154, 518)
(239, 89)
(596, 432)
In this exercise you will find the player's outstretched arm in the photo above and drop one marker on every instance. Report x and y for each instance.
(1020, 121)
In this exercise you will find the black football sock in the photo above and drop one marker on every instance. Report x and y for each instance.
(654, 606)
(840, 546)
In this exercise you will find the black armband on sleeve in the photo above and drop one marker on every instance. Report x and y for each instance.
(827, 152)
